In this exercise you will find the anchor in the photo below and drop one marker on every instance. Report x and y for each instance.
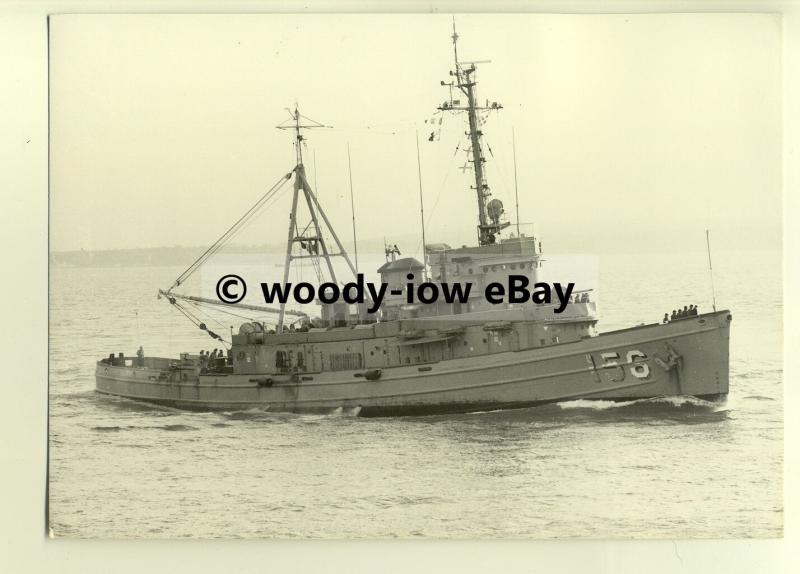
(673, 363)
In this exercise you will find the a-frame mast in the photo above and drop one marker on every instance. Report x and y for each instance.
(464, 80)
(315, 242)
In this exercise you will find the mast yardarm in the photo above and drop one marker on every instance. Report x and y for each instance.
(489, 224)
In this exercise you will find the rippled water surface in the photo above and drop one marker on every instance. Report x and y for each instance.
(667, 468)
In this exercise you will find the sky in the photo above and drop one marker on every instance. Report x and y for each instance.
(632, 132)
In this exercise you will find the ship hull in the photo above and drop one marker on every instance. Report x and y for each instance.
(685, 357)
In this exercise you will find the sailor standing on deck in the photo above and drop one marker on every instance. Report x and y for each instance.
(140, 356)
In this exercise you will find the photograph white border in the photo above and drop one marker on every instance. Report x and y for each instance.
(24, 545)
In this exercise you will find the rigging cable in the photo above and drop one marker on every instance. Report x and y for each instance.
(199, 309)
(231, 230)
(196, 321)
(439, 194)
(272, 200)
(500, 172)
(251, 318)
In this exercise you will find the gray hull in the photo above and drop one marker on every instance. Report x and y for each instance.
(686, 357)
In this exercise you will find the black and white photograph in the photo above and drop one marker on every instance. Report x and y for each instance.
(415, 276)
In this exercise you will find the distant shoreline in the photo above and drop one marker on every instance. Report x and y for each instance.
(179, 256)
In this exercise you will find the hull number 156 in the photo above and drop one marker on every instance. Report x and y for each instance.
(634, 361)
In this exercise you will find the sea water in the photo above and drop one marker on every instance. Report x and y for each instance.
(673, 467)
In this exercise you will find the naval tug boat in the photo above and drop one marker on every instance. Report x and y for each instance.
(418, 359)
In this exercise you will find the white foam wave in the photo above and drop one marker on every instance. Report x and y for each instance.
(680, 401)
(345, 412)
(597, 405)
(601, 405)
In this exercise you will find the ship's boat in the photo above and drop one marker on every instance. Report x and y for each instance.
(402, 359)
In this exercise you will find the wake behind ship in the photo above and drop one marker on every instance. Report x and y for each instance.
(402, 359)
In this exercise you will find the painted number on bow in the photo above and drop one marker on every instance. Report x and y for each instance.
(634, 359)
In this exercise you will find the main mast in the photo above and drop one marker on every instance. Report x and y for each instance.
(489, 223)
(310, 238)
